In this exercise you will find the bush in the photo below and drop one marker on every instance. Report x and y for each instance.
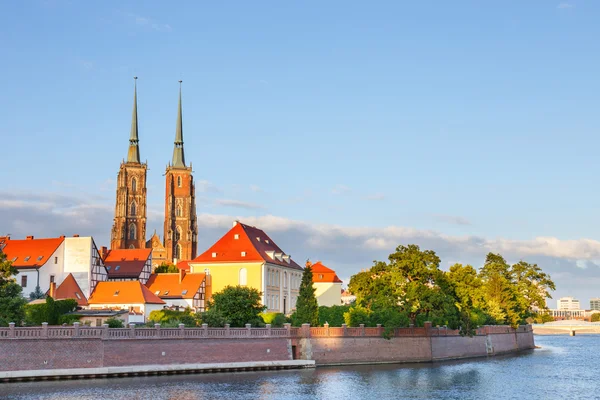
(115, 323)
(595, 317)
(333, 315)
(357, 315)
(275, 319)
(214, 318)
(237, 305)
(51, 312)
(172, 318)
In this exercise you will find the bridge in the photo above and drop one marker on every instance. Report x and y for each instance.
(571, 327)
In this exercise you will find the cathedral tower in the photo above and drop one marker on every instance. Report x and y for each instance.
(181, 228)
(129, 228)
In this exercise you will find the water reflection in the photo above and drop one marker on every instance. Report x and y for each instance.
(561, 369)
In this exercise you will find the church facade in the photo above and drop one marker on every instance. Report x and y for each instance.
(180, 235)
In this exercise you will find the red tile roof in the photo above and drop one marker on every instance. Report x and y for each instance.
(184, 265)
(323, 274)
(254, 243)
(30, 253)
(123, 292)
(69, 289)
(126, 263)
(168, 286)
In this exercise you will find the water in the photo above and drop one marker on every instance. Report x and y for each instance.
(564, 368)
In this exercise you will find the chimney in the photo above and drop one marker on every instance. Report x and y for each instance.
(52, 290)
(235, 222)
(181, 275)
(29, 238)
(76, 235)
(62, 236)
(103, 252)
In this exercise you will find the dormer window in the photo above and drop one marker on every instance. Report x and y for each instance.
(184, 292)
(78, 296)
(40, 258)
(267, 241)
(271, 254)
(117, 267)
(27, 258)
(108, 268)
(214, 255)
(116, 293)
(258, 239)
(157, 292)
(320, 276)
(236, 236)
(166, 293)
(14, 259)
(243, 254)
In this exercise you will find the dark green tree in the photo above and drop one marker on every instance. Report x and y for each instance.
(307, 308)
(12, 303)
(37, 294)
(114, 323)
(165, 268)
(533, 288)
(236, 305)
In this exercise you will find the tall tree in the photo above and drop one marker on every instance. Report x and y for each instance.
(235, 305)
(12, 303)
(533, 288)
(498, 290)
(307, 308)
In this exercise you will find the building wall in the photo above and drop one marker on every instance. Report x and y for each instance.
(145, 308)
(223, 275)
(50, 268)
(328, 293)
(78, 261)
(93, 320)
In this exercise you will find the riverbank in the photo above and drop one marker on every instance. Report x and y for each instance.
(63, 352)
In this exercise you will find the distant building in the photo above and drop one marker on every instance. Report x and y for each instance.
(159, 252)
(568, 303)
(247, 256)
(128, 264)
(328, 287)
(595, 304)
(347, 297)
(182, 290)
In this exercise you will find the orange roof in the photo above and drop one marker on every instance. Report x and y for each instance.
(184, 265)
(167, 286)
(69, 289)
(123, 292)
(126, 263)
(30, 253)
(323, 274)
(245, 243)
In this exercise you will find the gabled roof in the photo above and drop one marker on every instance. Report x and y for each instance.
(30, 253)
(244, 243)
(184, 265)
(154, 242)
(123, 292)
(167, 286)
(69, 289)
(323, 274)
(126, 263)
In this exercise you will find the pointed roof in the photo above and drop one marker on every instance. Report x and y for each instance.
(133, 155)
(123, 292)
(69, 289)
(323, 274)
(167, 286)
(244, 243)
(178, 154)
(30, 252)
(126, 263)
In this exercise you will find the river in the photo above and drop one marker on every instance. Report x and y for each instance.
(563, 368)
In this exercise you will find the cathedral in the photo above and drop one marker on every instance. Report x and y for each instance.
(180, 235)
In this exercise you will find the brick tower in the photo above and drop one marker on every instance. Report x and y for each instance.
(129, 228)
(181, 228)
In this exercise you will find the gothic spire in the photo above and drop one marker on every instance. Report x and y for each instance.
(133, 155)
(178, 155)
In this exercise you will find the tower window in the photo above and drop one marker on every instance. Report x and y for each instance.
(177, 252)
(133, 185)
(132, 233)
(178, 212)
(133, 209)
(178, 234)
(179, 181)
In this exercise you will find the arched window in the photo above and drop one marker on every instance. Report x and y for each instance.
(243, 276)
(132, 232)
(133, 185)
(131, 247)
(133, 209)
(178, 234)
(178, 212)
(179, 181)
(284, 279)
(177, 252)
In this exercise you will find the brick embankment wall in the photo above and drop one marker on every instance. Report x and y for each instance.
(91, 353)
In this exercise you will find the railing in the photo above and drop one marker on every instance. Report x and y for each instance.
(306, 331)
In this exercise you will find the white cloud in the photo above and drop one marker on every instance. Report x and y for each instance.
(238, 204)
(563, 6)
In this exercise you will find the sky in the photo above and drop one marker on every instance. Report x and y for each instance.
(342, 129)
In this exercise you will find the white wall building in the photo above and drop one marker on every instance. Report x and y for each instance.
(568, 303)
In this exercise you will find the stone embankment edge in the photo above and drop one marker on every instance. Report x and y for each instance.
(77, 373)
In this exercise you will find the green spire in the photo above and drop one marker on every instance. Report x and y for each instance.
(133, 155)
(178, 155)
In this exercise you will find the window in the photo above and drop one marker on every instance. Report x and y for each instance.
(157, 292)
(243, 254)
(24, 281)
(178, 234)
(132, 233)
(166, 293)
(133, 185)
(27, 258)
(118, 267)
(243, 276)
(40, 258)
(179, 181)
(116, 293)
(51, 278)
(285, 279)
(108, 268)
(133, 209)
(98, 322)
(236, 236)
(320, 276)
(214, 255)
(78, 296)
(14, 259)
(184, 292)
(178, 212)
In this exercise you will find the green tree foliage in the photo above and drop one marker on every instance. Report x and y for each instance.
(235, 305)
(595, 317)
(12, 303)
(307, 308)
(53, 312)
(333, 315)
(114, 323)
(165, 268)
(275, 319)
(167, 317)
(37, 294)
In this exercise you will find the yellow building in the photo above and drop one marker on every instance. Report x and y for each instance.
(328, 287)
(247, 256)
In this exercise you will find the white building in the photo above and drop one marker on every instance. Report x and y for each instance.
(595, 304)
(568, 304)
(328, 287)
(41, 262)
(182, 290)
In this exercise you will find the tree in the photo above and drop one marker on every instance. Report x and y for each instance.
(499, 292)
(114, 323)
(595, 317)
(533, 288)
(12, 303)
(236, 305)
(37, 294)
(469, 298)
(165, 268)
(307, 308)
(53, 312)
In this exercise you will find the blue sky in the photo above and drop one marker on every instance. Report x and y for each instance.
(465, 121)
